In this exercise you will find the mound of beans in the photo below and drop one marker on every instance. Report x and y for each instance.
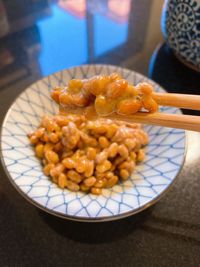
(108, 94)
(83, 155)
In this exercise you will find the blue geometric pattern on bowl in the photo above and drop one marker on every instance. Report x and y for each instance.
(181, 27)
(164, 156)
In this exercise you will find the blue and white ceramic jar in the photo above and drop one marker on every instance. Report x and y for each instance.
(181, 28)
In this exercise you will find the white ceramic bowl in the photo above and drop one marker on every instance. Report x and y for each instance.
(164, 156)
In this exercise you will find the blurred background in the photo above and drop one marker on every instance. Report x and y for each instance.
(39, 37)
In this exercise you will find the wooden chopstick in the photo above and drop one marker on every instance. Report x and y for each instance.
(178, 100)
(187, 122)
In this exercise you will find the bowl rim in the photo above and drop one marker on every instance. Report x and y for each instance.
(80, 218)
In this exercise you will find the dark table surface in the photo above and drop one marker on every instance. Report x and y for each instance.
(41, 37)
